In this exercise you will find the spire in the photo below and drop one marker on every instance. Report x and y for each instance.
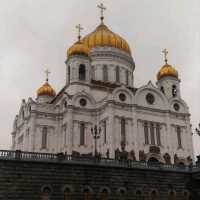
(79, 29)
(165, 52)
(47, 72)
(102, 9)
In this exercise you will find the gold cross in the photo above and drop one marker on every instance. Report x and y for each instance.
(79, 28)
(47, 72)
(165, 52)
(102, 8)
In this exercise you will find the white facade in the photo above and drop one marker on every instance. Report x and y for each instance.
(63, 124)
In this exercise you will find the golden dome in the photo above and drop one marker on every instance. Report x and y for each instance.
(167, 70)
(47, 90)
(78, 48)
(102, 36)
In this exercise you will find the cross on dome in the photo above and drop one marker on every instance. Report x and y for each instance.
(165, 52)
(79, 28)
(102, 9)
(47, 72)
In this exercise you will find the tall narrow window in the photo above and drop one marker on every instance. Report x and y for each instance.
(65, 134)
(92, 72)
(67, 194)
(139, 195)
(105, 131)
(178, 129)
(105, 73)
(158, 134)
(162, 89)
(146, 134)
(172, 195)
(117, 74)
(82, 72)
(87, 194)
(127, 77)
(104, 195)
(174, 91)
(152, 134)
(46, 193)
(69, 74)
(44, 138)
(154, 195)
(82, 134)
(123, 130)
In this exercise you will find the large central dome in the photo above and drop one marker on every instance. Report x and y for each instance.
(103, 36)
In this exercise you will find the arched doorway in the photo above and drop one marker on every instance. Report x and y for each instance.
(153, 160)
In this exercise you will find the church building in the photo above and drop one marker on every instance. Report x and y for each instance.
(100, 110)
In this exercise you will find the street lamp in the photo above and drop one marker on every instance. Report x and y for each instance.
(96, 132)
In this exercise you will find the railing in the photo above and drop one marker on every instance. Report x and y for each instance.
(65, 158)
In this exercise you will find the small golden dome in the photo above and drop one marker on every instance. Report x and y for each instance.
(78, 48)
(167, 70)
(47, 90)
(102, 36)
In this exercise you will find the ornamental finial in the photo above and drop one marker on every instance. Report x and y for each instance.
(79, 28)
(47, 72)
(165, 52)
(102, 9)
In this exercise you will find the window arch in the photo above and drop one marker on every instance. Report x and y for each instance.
(138, 195)
(174, 90)
(172, 195)
(117, 71)
(44, 137)
(82, 134)
(154, 195)
(104, 194)
(105, 73)
(69, 73)
(123, 131)
(67, 194)
(127, 77)
(87, 194)
(82, 72)
(46, 193)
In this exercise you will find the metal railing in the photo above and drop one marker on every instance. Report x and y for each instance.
(65, 158)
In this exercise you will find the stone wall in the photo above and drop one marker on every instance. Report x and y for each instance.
(26, 179)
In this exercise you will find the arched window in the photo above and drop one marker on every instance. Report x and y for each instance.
(105, 131)
(122, 193)
(139, 195)
(69, 74)
(154, 195)
(162, 89)
(123, 131)
(67, 194)
(87, 194)
(44, 138)
(92, 72)
(46, 193)
(174, 91)
(152, 134)
(186, 195)
(178, 131)
(158, 134)
(105, 73)
(104, 194)
(117, 74)
(172, 195)
(127, 77)
(82, 72)
(23, 114)
(146, 133)
(82, 134)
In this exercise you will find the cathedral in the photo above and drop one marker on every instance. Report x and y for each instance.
(99, 110)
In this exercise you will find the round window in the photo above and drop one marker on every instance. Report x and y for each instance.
(176, 107)
(122, 97)
(83, 102)
(150, 98)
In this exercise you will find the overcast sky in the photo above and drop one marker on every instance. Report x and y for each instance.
(35, 34)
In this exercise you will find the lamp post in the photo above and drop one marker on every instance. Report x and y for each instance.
(96, 132)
